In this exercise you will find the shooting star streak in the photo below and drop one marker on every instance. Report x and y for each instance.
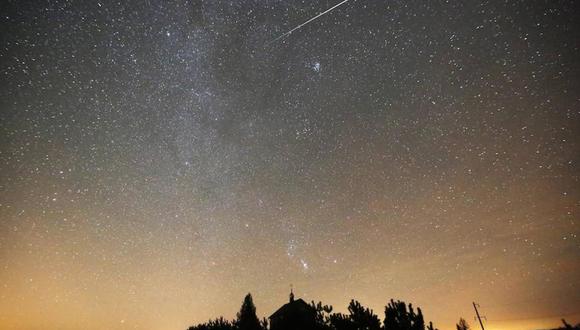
(308, 21)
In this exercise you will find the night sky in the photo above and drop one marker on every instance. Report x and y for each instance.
(161, 159)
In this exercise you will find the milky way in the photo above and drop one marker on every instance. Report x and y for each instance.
(161, 159)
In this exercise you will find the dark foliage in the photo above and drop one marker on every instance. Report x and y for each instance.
(398, 316)
(359, 318)
(340, 321)
(431, 327)
(264, 323)
(247, 318)
(322, 315)
(462, 324)
(217, 324)
(568, 326)
(363, 318)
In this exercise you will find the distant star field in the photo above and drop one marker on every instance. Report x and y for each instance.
(161, 159)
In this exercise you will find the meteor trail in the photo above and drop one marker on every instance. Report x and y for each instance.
(308, 21)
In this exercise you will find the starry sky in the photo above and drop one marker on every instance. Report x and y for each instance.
(161, 159)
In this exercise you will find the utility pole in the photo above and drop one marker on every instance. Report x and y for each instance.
(477, 313)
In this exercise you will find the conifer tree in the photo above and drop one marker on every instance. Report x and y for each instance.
(397, 317)
(247, 318)
(462, 324)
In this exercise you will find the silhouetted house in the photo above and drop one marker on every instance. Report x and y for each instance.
(295, 315)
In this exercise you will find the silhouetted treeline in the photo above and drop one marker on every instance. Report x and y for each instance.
(246, 319)
(568, 326)
(462, 325)
(316, 316)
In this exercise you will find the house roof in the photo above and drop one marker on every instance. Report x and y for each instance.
(292, 306)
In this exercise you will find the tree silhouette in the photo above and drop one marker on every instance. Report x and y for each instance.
(431, 327)
(217, 324)
(247, 318)
(339, 321)
(397, 317)
(363, 318)
(568, 326)
(359, 318)
(462, 324)
(322, 315)
(264, 323)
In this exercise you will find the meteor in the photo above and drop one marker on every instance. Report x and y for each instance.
(308, 21)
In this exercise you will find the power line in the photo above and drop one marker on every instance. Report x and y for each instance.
(478, 317)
